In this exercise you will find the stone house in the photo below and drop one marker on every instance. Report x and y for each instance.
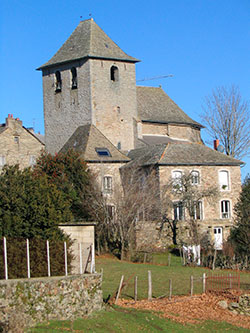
(92, 104)
(19, 145)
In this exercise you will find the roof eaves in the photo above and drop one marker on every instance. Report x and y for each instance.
(195, 124)
(133, 60)
(201, 164)
(107, 161)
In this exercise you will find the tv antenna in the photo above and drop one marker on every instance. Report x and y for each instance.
(155, 77)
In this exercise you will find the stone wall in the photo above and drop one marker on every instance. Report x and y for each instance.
(114, 103)
(65, 111)
(25, 302)
(151, 235)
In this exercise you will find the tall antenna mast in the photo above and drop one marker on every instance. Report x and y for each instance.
(155, 78)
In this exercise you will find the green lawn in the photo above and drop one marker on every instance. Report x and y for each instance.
(116, 319)
(113, 269)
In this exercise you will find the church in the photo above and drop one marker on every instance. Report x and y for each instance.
(92, 105)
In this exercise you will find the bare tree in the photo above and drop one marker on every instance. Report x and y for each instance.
(186, 199)
(117, 214)
(226, 116)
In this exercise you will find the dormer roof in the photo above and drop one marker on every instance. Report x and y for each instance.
(92, 145)
(88, 40)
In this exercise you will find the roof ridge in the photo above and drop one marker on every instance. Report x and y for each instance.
(164, 151)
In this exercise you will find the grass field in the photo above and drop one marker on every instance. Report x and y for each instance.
(113, 269)
(116, 319)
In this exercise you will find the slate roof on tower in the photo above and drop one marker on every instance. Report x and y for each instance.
(155, 106)
(88, 141)
(88, 40)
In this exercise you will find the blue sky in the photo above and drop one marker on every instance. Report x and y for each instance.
(203, 43)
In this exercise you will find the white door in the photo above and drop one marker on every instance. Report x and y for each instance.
(218, 238)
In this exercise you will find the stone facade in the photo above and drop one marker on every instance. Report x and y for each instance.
(109, 105)
(65, 110)
(102, 170)
(160, 235)
(26, 302)
(180, 132)
(17, 144)
(114, 102)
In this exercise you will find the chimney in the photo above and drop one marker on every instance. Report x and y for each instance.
(216, 144)
(13, 123)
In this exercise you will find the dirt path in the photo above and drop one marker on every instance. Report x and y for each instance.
(186, 309)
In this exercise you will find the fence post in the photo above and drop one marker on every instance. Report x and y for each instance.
(169, 259)
(119, 289)
(145, 258)
(135, 288)
(170, 289)
(5, 258)
(230, 281)
(191, 285)
(92, 265)
(65, 259)
(149, 286)
(48, 257)
(80, 256)
(28, 257)
(204, 283)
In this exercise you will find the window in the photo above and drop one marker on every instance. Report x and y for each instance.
(103, 152)
(58, 81)
(114, 73)
(73, 78)
(179, 212)
(176, 179)
(195, 177)
(119, 146)
(224, 180)
(198, 210)
(110, 209)
(32, 160)
(16, 139)
(2, 161)
(225, 209)
(107, 184)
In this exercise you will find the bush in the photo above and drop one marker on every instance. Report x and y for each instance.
(17, 258)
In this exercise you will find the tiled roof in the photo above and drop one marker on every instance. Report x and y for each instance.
(180, 154)
(88, 40)
(87, 139)
(154, 105)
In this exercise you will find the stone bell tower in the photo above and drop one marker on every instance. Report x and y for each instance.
(90, 80)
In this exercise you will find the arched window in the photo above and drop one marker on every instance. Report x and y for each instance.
(224, 180)
(58, 81)
(73, 78)
(195, 177)
(114, 73)
(177, 180)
